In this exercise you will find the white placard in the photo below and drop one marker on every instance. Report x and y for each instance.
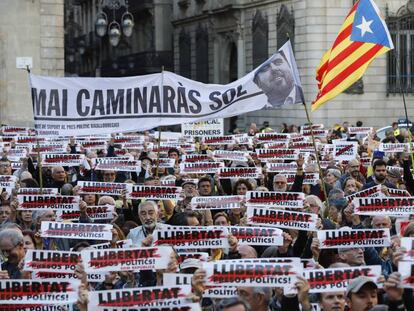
(352, 238)
(126, 259)
(214, 127)
(281, 218)
(51, 229)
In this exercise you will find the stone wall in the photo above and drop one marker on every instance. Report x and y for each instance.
(31, 28)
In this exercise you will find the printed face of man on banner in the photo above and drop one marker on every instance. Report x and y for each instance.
(276, 79)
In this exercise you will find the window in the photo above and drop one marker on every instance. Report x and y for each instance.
(285, 25)
(185, 54)
(202, 55)
(400, 66)
(260, 39)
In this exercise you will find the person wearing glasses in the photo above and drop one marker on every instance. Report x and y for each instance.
(12, 250)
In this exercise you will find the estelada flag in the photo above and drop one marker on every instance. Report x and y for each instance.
(363, 37)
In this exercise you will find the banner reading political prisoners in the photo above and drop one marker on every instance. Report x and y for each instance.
(274, 272)
(336, 279)
(84, 106)
(48, 291)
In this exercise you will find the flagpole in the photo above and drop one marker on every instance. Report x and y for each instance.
(159, 127)
(39, 160)
(321, 176)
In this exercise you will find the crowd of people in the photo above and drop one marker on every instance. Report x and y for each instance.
(135, 220)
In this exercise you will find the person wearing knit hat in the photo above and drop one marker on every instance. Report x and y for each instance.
(394, 176)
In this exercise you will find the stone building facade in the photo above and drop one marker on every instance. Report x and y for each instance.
(213, 41)
(28, 28)
(238, 35)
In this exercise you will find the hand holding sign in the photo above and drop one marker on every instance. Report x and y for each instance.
(392, 287)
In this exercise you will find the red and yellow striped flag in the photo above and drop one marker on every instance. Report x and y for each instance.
(363, 36)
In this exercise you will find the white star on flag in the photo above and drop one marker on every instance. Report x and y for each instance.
(365, 26)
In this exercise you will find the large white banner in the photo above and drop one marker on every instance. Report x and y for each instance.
(84, 106)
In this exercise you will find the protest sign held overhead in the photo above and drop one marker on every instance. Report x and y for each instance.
(34, 191)
(218, 140)
(42, 202)
(275, 199)
(408, 244)
(393, 206)
(345, 150)
(336, 279)
(266, 155)
(174, 279)
(272, 167)
(216, 202)
(147, 297)
(281, 218)
(105, 188)
(272, 137)
(48, 291)
(398, 192)
(53, 261)
(370, 192)
(275, 272)
(51, 229)
(200, 167)
(153, 192)
(389, 148)
(353, 130)
(58, 159)
(351, 238)
(119, 244)
(187, 237)
(214, 127)
(196, 158)
(104, 164)
(126, 259)
(98, 212)
(257, 235)
(308, 179)
(406, 269)
(229, 155)
(239, 172)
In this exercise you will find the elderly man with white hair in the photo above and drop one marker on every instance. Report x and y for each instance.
(148, 215)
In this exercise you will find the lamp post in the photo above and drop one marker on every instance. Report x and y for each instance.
(114, 29)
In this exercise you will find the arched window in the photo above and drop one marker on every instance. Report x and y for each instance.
(285, 25)
(202, 55)
(185, 54)
(400, 67)
(260, 31)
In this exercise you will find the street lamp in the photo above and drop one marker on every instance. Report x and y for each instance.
(114, 28)
(114, 33)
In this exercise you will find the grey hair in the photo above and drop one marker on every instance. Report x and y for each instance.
(13, 235)
(66, 189)
(38, 214)
(265, 291)
(336, 193)
(142, 204)
(317, 201)
(10, 225)
(54, 169)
